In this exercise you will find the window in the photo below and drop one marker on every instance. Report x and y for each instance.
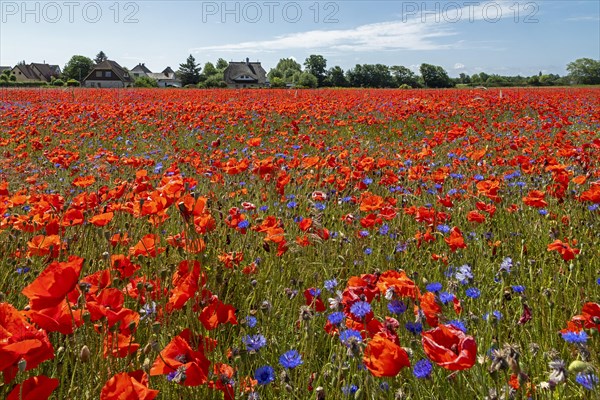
(108, 74)
(98, 74)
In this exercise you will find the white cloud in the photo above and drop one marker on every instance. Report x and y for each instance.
(417, 31)
(459, 66)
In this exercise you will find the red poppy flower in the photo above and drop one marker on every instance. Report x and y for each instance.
(54, 283)
(535, 198)
(566, 251)
(19, 340)
(430, 308)
(84, 181)
(34, 388)
(449, 347)
(183, 361)
(101, 219)
(384, 357)
(147, 247)
(118, 345)
(59, 318)
(128, 386)
(44, 245)
(399, 282)
(185, 283)
(455, 240)
(313, 299)
(217, 313)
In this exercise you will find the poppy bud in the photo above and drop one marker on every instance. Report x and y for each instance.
(84, 354)
(22, 364)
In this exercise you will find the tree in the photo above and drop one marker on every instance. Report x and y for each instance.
(221, 64)
(370, 75)
(189, 72)
(78, 68)
(275, 73)
(100, 57)
(288, 67)
(145, 82)
(435, 76)
(316, 65)
(306, 79)
(336, 77)
(585, 71)
(277, 82)
(209, 69)
(215, 81)
(404, 76)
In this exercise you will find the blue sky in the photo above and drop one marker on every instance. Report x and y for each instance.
(502, 36)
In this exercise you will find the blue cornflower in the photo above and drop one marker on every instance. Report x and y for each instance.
(587, 379)
(331, 284)
(292, 204)
(367, 181)
(575, 337)
(434, 287)
(23, 270)
(265, 375)
(177, 376)
(251, 321)
(254, 342)
(243, 224)
(401, 247)
(598, 281)
(314, 292)
(593, 207)
(422, 369)
(543, 212)
(360, 309)
(384, 229)
(496, 314)
(463, 274)
(414, 327)
(518, 288)
(458, 324)
(443, 228)
(478, 177)
(446, 297)
(363, 233)
(349, 389)
(396, 307)
(320, 206)
(473, 292)
(336, 318)
(350, 335)
(368, 251)
(263, 208)
(290, 359)
(506, 265)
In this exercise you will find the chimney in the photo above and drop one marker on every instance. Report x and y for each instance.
(247, 61)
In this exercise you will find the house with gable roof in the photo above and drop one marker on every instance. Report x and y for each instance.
(166, 78)
(108, 74)
(245, 75)
(36, 72)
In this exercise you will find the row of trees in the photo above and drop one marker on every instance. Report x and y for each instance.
(315, 74)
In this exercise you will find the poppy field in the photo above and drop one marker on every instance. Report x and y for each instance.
(282, 244)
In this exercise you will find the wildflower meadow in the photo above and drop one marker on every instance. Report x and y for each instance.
(299, 244)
